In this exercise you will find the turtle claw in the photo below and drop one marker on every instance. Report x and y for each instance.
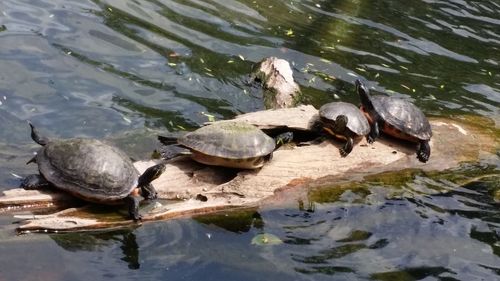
(152, 196)
(34, 182)
(422, 157)
(370, 139)
(347, 148)
(423, 151)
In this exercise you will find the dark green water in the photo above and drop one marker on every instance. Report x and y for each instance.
(126, 69)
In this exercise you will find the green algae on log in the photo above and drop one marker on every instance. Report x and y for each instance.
(193, 188)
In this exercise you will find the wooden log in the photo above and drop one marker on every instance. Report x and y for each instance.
(276, 77)
(188, 188)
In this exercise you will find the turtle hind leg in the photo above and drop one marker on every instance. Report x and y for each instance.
(347, 148)
(151, 173)
(132, 202)
(34, 182)
(171, 151)
(36, 136)
(423, 151)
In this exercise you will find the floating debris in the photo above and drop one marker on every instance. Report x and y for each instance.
(16, 176)
(210, 117)
(266, 239)
(126, 120)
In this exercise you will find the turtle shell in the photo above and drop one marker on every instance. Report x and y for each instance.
(403, 116)
(356, 120)
(88, 169)
(229, 140)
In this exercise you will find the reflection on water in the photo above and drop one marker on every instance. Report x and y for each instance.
(95, 242)
(424, 227)
(125, 70)
(442, 226)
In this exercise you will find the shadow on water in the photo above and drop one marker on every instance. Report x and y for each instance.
(408, 225)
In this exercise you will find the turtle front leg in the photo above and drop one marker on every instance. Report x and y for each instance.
(347, 148)
(132, 202)
(34, 182)
(374, 132)
(423, 151)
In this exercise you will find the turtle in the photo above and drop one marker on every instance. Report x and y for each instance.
(344, 121)
(91, 170)
(232, 144)
(396, 117)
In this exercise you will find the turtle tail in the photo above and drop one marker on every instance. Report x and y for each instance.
(364, 95)
(41, 140)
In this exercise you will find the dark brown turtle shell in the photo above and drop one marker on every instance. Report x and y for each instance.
(88, 169)
(228, 141)
(356, 120)
(403, 116)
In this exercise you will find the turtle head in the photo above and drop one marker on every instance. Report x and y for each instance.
(151, 173)
(41, 140)
(341, 123)
(336, 127)
(283, 138)
(364, 95)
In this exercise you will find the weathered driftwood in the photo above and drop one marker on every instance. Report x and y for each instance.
(276, 76)
(192, 188)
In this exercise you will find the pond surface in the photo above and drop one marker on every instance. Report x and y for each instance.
(125, 70)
